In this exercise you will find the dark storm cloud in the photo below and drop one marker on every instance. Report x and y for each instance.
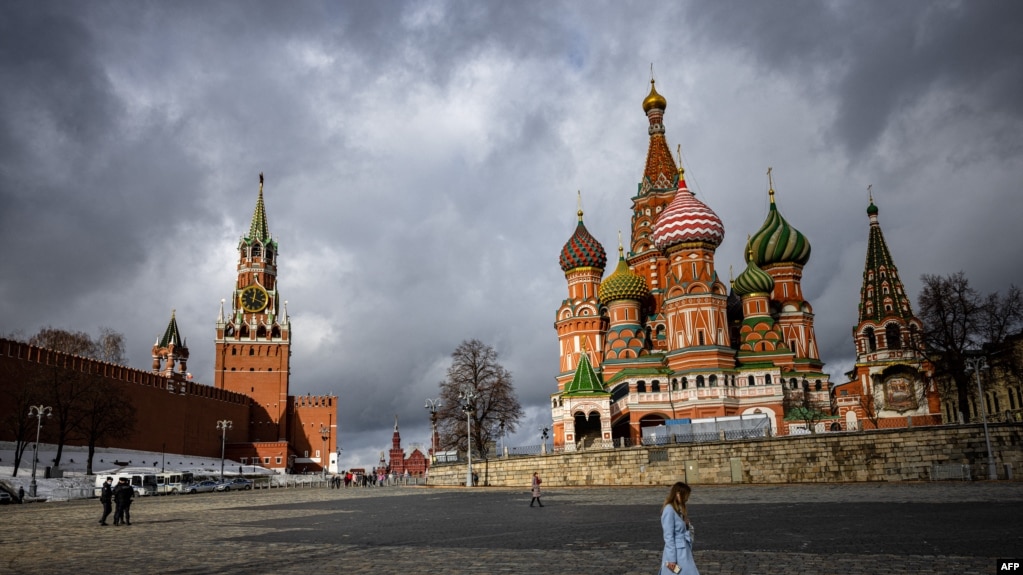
(878, 58)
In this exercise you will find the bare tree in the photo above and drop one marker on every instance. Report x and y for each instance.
(110, 346)
(25, 388)
(104, 414)
(959, 322)
(474, 367)
(73, 342)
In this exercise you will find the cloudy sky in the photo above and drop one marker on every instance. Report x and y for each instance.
(422, 161)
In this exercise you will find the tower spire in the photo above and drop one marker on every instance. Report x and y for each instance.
(259, 229)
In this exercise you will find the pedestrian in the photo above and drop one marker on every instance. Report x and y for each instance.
(677, 556)
(123, 495)
(106, 494)
(475, 479)
(21, 494)
(536, 490)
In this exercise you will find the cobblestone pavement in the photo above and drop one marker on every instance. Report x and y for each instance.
(890, 528)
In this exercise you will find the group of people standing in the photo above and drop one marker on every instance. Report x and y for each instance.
(121, 496)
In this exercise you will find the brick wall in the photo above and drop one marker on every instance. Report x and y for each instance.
(886, 455)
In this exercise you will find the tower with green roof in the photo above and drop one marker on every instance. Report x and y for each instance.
(892, 378)
(170, 350)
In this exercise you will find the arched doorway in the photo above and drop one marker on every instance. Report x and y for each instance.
(587, 428)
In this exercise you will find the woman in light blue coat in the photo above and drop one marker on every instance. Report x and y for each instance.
(678, 535)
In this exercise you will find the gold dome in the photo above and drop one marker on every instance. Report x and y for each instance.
(654, 100)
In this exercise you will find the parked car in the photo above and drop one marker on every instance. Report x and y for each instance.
(5, 497)
(201, 487)
(238, 483)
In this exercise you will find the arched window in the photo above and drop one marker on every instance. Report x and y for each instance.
(655, 386)
(685, 383)
(641, 386)
(793, 384)
(256, 250)
(891, 335)
(817, 385)
(767, 379)
(674, 384)
(751, 381)
(871, 339)
(252, 351)
(699, 381)
(713, 380)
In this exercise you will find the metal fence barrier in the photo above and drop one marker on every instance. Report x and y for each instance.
(950, 472)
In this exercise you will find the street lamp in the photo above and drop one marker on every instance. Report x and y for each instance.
(37, 411)
(977, 364)
(543, 440)
(433, 405)
(325, 435)
(223, 425)
(502, 436)
(468, 396)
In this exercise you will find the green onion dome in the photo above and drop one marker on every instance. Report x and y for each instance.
(582, 250)
(623, 284)
(871, 209)
(778, 242)
(753, 280)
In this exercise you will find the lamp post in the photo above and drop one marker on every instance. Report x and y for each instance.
(223, 425)
(38, 412)
(543, 440)
(468, 396)
(325, 436)
(433, 405)
(977, 364)
(502, 437)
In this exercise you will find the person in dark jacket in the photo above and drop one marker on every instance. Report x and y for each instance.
(105, 497)
(123, 495)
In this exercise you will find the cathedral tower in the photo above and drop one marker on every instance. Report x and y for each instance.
(892, 378)
(579, 322)
(253, 341)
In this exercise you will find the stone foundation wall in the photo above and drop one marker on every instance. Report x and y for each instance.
(885, 455)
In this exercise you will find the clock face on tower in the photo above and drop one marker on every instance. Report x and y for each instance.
(254, 298)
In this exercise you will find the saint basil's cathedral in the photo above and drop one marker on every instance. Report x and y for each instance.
(663, 339)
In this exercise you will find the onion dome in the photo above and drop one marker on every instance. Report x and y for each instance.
(752, 280)
(582, 250)
(687, 219)
(623, 283)
(654, 100)
(872, 209)
(777, 241)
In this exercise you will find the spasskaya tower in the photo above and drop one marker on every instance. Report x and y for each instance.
(253, 342)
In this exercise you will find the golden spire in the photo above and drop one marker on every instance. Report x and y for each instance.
(870, 192)
(681, 170)
(621, 250)
(579, 203)
(770, 184)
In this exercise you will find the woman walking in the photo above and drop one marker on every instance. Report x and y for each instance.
(678, 533)
(536, 490)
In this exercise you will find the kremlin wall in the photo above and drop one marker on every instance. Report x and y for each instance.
(174, 416)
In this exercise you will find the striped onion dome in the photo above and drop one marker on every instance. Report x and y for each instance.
(582, 250)
(778, 242)
(623, 283)
(687, 219)
(752, 280)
